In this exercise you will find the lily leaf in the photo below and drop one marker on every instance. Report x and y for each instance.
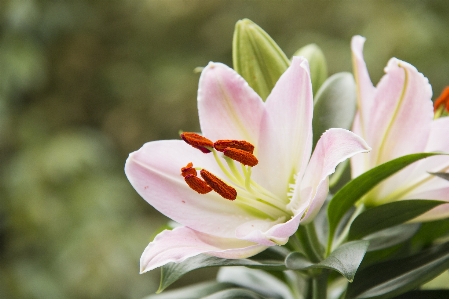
(443, 175)
(391, 236)
(347, 196)
(193, 291)
(388, 215)
(334, 104)
(392, 278)
(234, 293)
(424, 294)
(345, 259)
(171, 272)
(257, 57)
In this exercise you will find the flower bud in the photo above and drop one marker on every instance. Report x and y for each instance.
(257, 57)
(317, 64)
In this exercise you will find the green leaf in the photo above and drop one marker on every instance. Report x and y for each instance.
(317, 64)
(334, 104)
(388, 215)
(443, 175)
(391, 236)
(347, 196)
(391, 278)
(257, 57)
(193, 291)
(233, 294)
(427, 294)
(431, 231)
(171, 272)
(345, 259)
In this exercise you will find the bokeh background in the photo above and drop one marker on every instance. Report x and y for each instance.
(84, 82)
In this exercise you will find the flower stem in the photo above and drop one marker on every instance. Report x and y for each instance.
(309, 242)
(319, 286)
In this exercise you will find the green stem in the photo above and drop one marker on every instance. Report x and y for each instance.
(319, 286)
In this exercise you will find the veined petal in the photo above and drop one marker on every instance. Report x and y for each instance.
(154, 171)
(182, 242)
(286, 129)
(365, 89)
(401, 114)
(228, 108)
(334, 146)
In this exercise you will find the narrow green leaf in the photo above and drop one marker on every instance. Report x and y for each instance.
(171, 272)
(347, 196)
(431, 231)
(317, 64)
(443, 175)
(334, 104)
(345, 259)
(233, 294)
(391, 278)
(257, 57)
(426, 294)
(193, 291)
(388, 215)
(391, 236)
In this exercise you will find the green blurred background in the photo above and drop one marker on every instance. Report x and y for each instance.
(83, 83)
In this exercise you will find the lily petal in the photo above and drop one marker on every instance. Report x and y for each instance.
(154, 171)
(228, 108)
(334, 146)
(182, 242)
(286, 129)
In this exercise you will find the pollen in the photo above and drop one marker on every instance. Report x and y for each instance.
(197, 184)
(442, 100)
(218, 185)
(197, 141)
(221, 145)
(188, 170)
(241, 156)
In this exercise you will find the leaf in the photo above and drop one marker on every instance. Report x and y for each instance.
(171, 272)
(345, 259)
(388, 215)
(391, 278)
(334, 104)
(391, 236)
(193, 291)
(427, 294)
(347, 196)
(431, 231)
(257, 57)
(443, 175)
(233, 294)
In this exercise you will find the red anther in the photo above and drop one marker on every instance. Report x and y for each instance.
(221, 145)
(197, 184)
(241, 156)
(218, 185)
(442, 100)
(188, 170)
(197, 141)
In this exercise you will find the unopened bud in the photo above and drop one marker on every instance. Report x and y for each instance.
(317, 64)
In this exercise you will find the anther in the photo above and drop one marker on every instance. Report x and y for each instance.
(197, 184)
(197, 141)
(442, 100)
(188, 170)
(241, 156)
(221, 145)
(218, 185)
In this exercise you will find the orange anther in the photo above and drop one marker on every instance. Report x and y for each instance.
(442, 100)
(197, 184)
(218, 185)
(188, 170)
(221, 145)
(241, 156)
(197, 141)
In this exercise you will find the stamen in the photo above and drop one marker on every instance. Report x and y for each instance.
(442, 100)
(218, 185)
(197, 184)
(241, 156)
(197, 141)
(221, 145)
(188, 170)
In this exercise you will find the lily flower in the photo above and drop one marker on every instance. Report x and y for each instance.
(230, 210)
(396, 119)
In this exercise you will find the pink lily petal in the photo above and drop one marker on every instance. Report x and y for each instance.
(182, 242)
(286, 129)
(334, 146)
(154, 171)
(227, 106)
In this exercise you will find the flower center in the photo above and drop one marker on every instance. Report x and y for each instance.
(441, 104)
(237, 184)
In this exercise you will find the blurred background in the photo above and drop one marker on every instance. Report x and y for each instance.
(83, 83)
